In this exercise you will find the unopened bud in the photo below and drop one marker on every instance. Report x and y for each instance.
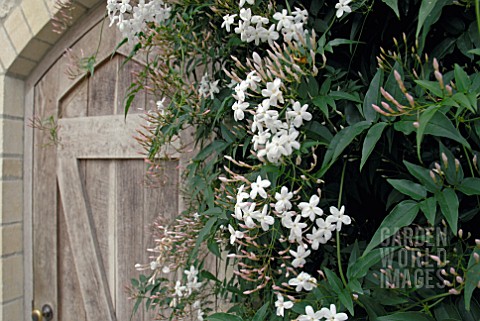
(454, 291)
(439, 77)
(438, 168)
(445, 160)
(355, 296)
(447, 283)
(410, 99)
(457, 165)
(443, 272)
(474, 160)
(449, 90)
(459, 279)
(435, 64)
(452, 271)
(433, 176)
(460, 233)
(387, 107)
(416, 124)
(476, 257)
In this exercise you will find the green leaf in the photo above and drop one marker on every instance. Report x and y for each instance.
(373, 97)
(440, 125)
(448, 202)
(410, 316)
(423, 176)
(373, 135)
(463, 101)
(339, 143)
(423, 122)
(425, 8)
(346, 298)
(262, 313)
(404, 186)
(394, 5)
(360, 267)
(475, 51)
(461, 79)
(472, 277)
(432, 86)
(223, 317)
(469, 186)
(338, 95)
(334, 281)
(321, 103)
(402, 215)
(429, 209)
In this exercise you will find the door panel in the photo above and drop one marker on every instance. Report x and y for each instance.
(92, 209)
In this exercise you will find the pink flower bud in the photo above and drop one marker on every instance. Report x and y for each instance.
(445, 160)
(410, 99)
(435, 64)
(454, 291)
(449, 90)
(416, 124)
(459, 279)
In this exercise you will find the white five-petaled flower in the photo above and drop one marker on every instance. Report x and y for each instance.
(322, 234)
(303, 281)
(242, 2)
(263, 218)
(310, 209)
(273, 93)
(228, 20)
(259, 187)
(283, 18)
(296, 227)
(332, 315)
(298, 114)
(235, 235)
(283, 200)
(239, 110)
(179, 288)
(310, 315)
(338, 217)
(300, 256)
(247, 215)
(281, 305)
(343, 7)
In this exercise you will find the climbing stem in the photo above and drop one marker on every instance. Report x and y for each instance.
(339, 204)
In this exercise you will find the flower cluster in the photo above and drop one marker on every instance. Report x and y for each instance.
(208, 88)
(256, 210)
(119, 11)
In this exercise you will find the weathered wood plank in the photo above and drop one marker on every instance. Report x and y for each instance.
(70, 302)
(88, 262)
(104, 137)
(130, 231)
(102, 90)
(44, 222)
(74, 104)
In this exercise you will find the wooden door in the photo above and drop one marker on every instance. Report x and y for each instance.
(91, 208)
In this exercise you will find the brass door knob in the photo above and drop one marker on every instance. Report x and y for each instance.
(45, 315)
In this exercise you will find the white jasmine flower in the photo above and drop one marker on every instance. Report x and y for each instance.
(246, 14)
(298, 114)
(154, 265)
(242, 2)
(263, 218)
(252, 79)
(310, 209)
(213, 89)
(322, 234)
(161, 104)
(256, 34)
(273, 93)
(247, 215)
(259, 188)
(310, 315)
(228, 20)
(259, 20)
(191, 273)
(296, 228)
(283, 200)
(235, 235)
(300, 16)
(342, 7)
(300, 256)
(166, 270)
(303, 281)
(283, 18)
(290, 142)
(240, 90)
(338, 217)
(179, 289)
(239, 109)
(260, 139)
(281, 305)
(270, 35)
(241, 195)
(332, 315)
